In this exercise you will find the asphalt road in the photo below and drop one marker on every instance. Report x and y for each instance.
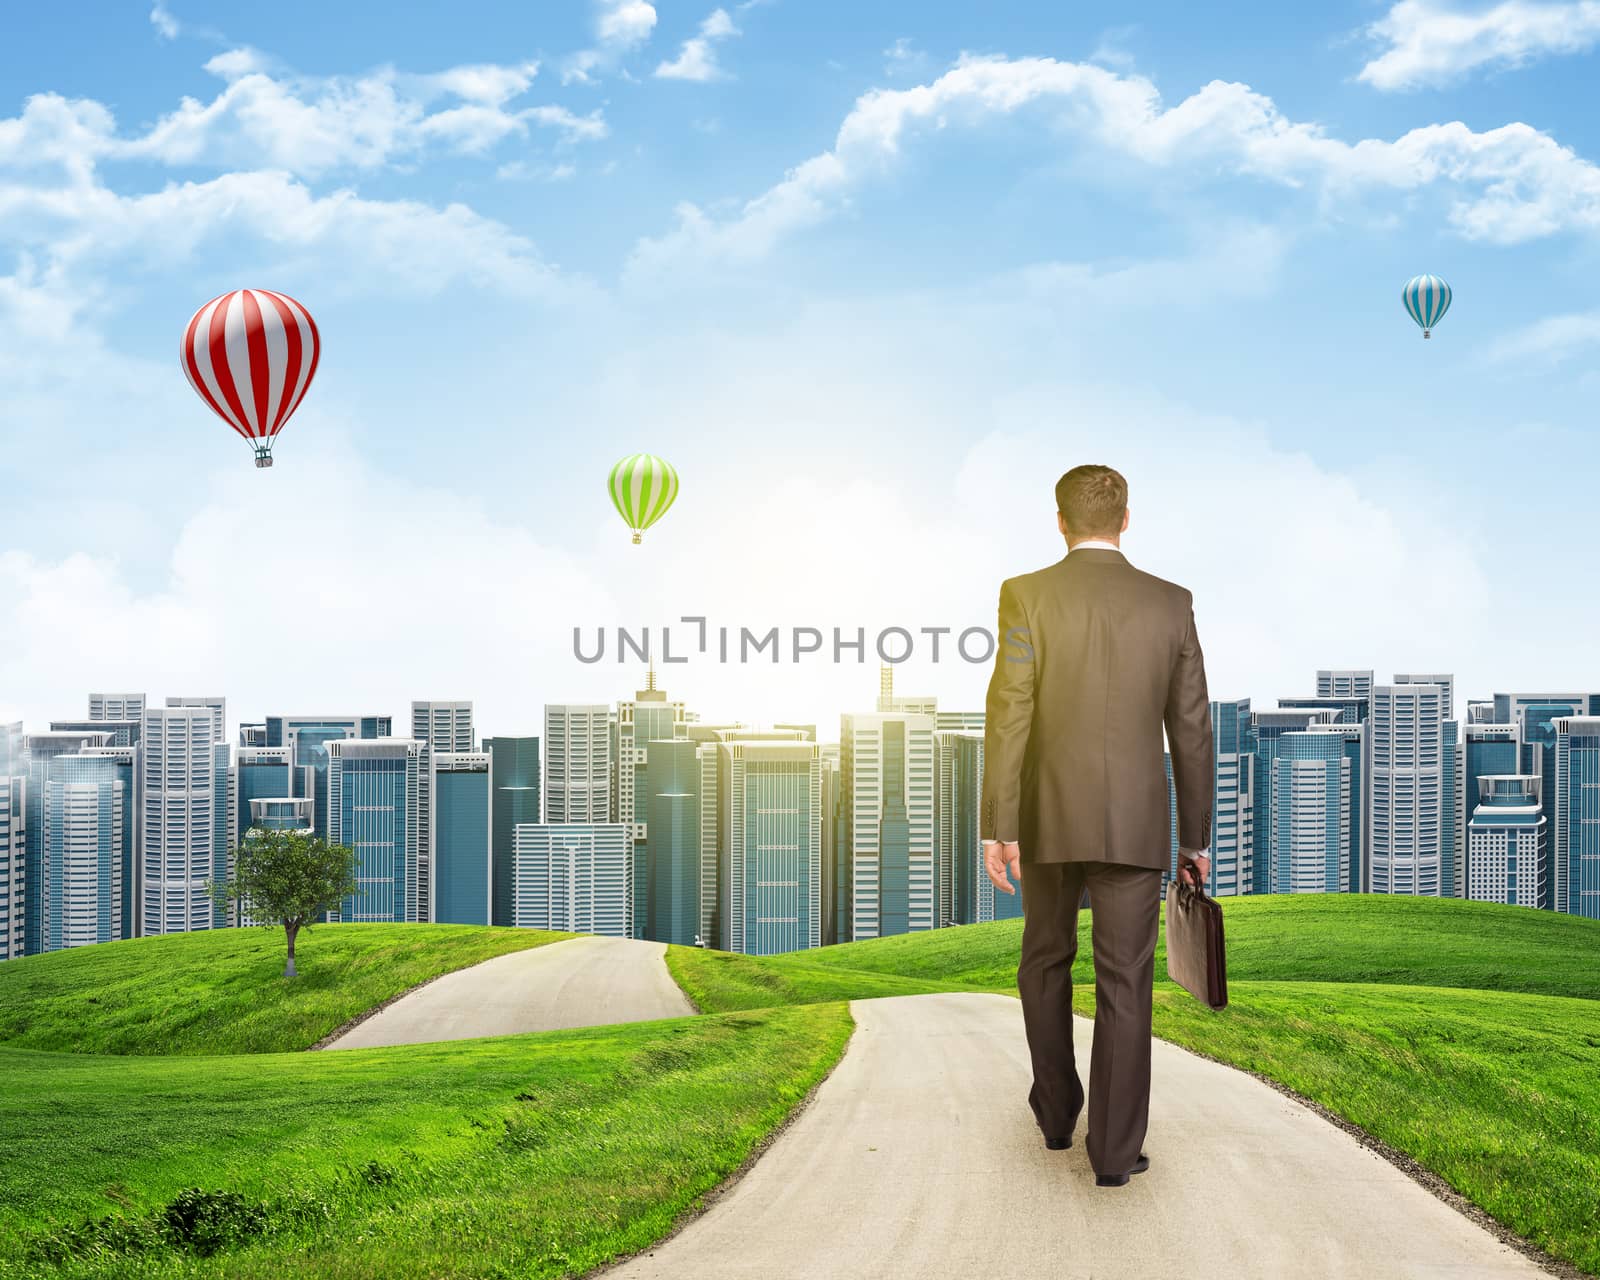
(918, 1157)
(578, 982)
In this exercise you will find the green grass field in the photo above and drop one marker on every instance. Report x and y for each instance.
(1465, 1035)
(222, 991)
(523, 1156)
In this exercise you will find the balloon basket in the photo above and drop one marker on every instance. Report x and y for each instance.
(637, 539)
(263, 459)
(1426, 333)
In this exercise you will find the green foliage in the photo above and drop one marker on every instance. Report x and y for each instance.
(290, 877)
(222, 991)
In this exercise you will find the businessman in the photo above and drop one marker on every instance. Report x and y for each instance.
(1095, 659)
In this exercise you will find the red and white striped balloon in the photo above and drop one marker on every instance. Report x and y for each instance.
(251, 355)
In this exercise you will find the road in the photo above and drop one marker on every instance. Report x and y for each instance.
(578, 982)
(918, 1157)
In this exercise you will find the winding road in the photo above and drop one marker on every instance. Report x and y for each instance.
(918, 1157)
(577, 982)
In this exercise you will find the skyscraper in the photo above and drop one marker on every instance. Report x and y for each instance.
(376, 789)
(515, 775)
(1577, 842)
(39, 750)
(1233, 800)
(13, 837)
(572, 876)
(577, 763)
(887, 767)
(673, 909)
(445, 726)
(835, 880)
(127, 763)
(1413, 798)
(1489, 750)
(1315, 810)
(307, 737)
(215, 703)
(1266, 728)
(770, 843)
(973, 899)
(116, 706)
(1534, 715)
(1348, 683)
(462, 827)
(650, 717)
(182, 793)
(258, 773)
(1443, 680)
(80, 884)
(1506, 840)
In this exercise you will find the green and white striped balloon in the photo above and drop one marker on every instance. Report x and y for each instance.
(642, 487)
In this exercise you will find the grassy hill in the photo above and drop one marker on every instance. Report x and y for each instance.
(222, 991)
(529, 1156)
(1465, 1035)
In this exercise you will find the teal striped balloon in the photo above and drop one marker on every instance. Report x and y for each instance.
(1427, 298)
(642, 487)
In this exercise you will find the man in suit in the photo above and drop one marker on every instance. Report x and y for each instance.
(1095, 659)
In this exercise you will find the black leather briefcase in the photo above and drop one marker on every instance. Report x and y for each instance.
(1196, 959)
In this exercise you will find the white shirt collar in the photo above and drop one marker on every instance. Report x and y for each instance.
(1094, 544)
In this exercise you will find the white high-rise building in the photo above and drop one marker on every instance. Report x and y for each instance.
(1413, 792)
(888, 776)
(1344, 684)
(1444, 680)
(214, 702)
(116, 706)
(577, 762)
(447, 726)
(181, 827)
(572, 876)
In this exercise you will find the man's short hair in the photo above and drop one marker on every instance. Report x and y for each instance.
(1092, 500)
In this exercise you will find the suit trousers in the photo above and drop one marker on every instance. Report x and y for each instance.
(1125, 904)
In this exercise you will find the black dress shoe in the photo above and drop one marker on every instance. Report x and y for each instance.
(1121, 1179)
(1057, 1144)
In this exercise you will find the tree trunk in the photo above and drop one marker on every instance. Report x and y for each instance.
(290, 930)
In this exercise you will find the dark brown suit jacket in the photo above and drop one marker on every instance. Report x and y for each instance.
(1094, 658)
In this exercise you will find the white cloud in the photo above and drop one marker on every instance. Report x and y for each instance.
(165, 24)
(350, 533)
(82, 232)
(312, 126)
(620, 26)
(1511, 184)
(697, 59)
(1551, 340)
(1432, 43)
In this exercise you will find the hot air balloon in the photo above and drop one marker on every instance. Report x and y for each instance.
(1427, 298)
(250, 355)
(642, 488)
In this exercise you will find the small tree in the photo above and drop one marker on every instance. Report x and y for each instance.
(290, 878)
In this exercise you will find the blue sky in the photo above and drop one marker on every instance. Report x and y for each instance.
(871, 276)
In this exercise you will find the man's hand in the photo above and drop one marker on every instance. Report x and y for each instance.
(1193, 867)
(998, 855)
